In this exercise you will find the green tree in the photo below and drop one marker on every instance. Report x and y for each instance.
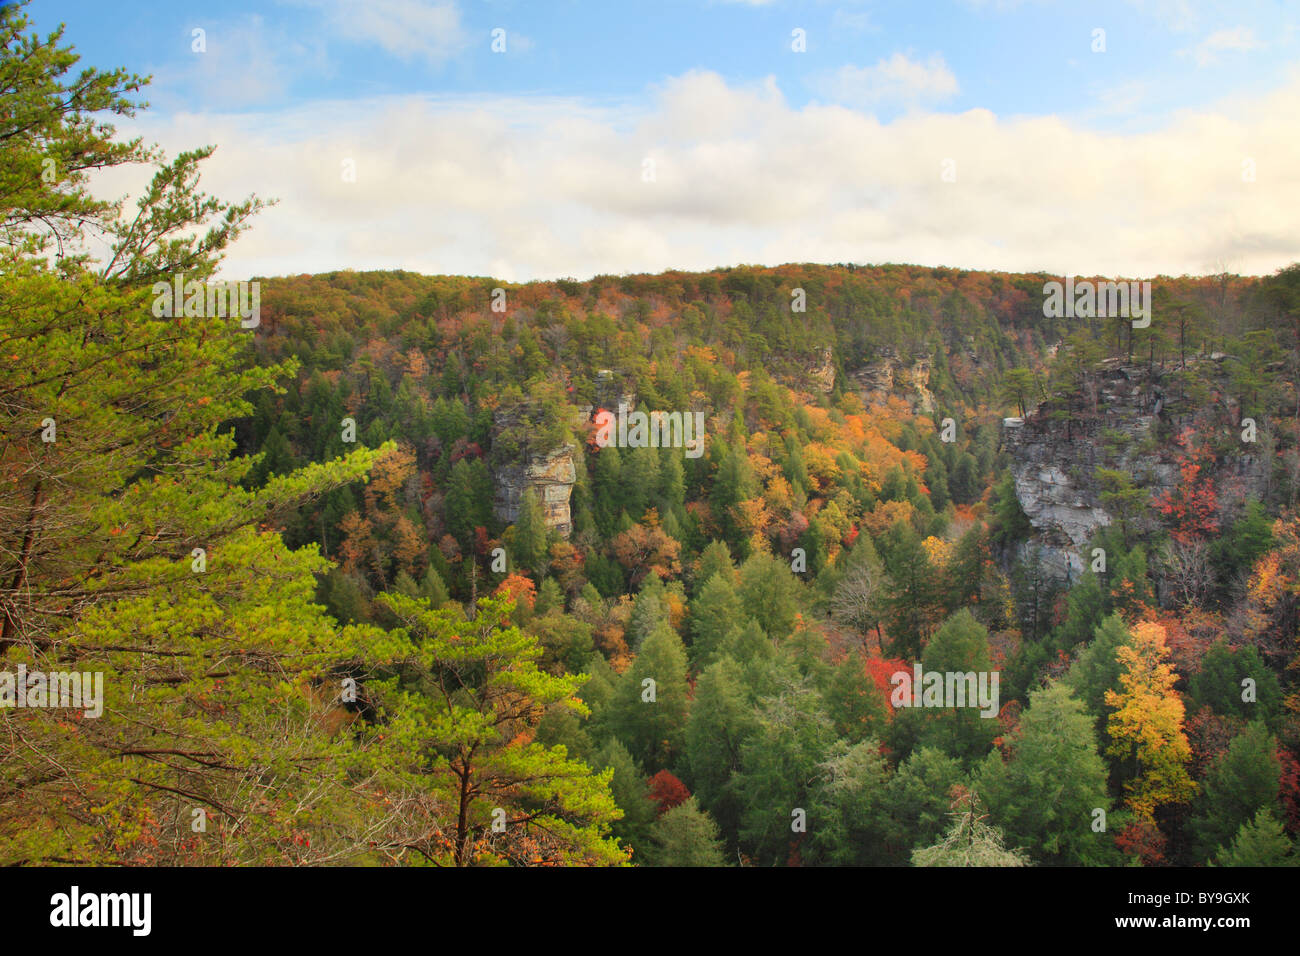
(685, 836)
(528, 545)
(1220, 683)
(848, 827)
(628, 787)
(721, 719)
(960, 646)
(970, 841)
(714, 612)
(1045, 794)
(854, 703)
(1259, 842)
(130, 545)
(779, 768)
(918, 798)
(1097, 669)
(715, 559)
(465, 694)
(1243, 780)
(769, 593)
(649, 706)
(912, 603)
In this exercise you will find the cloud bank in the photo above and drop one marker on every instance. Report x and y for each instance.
(703, 172)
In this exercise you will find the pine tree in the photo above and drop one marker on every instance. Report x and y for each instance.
(918, 799)
(713, 613)
(685, 836)
(969, 842)
(471, 697)
(721, 719)
(529, 544)
(960, 646)
(649, 706)
(1243, 780)
(1044, 796)
(628, 787)
(779, 768)
(131, 544)
(1259, 842)
(846, 807)
(769, 593)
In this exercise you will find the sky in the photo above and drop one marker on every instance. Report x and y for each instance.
(531, 139)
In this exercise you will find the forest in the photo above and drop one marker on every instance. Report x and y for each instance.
(366, 587)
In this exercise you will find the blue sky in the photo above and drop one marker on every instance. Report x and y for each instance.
(514, 163)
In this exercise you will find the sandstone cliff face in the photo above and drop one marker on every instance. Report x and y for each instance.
(890, 375)
(550, 476)
(821, 373)
(1054, 460)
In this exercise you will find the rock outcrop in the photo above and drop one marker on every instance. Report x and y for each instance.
(821, 372)
(1129, 428)
(890, 375)
(550, 476)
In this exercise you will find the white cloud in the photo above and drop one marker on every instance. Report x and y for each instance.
(244, 62)
(533, 187)
(1177, 15)
(898, 80)
(409, 29)
(1236, 40)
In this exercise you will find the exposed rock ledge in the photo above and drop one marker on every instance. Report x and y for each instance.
(890, 375)
(550, 476)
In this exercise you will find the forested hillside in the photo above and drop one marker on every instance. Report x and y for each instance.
(827, 537)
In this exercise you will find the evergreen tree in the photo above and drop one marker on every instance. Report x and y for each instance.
(969, 842)
(847, 823)
(918, 799)
(960, 646)
(685, 836)
(1221, 685)
(628, 788)
(721, 719)
(713, 613)
(1044, 796)
(649, 705)
(1243, 780)
(715, 559)
(529, 545)
(1259, 842)
(779, 768)
(769, 593)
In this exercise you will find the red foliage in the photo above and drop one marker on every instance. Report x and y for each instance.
(520, 589)
(1209, 734)
(1192, 505)
(880, 669)
(667, 791)
(1143, 840)
(1290, 791)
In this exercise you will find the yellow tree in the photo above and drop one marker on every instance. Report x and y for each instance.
(1147, 726)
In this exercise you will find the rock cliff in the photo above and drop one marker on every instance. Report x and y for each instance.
(1126, 421)
(889, 375)
(550, 476)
